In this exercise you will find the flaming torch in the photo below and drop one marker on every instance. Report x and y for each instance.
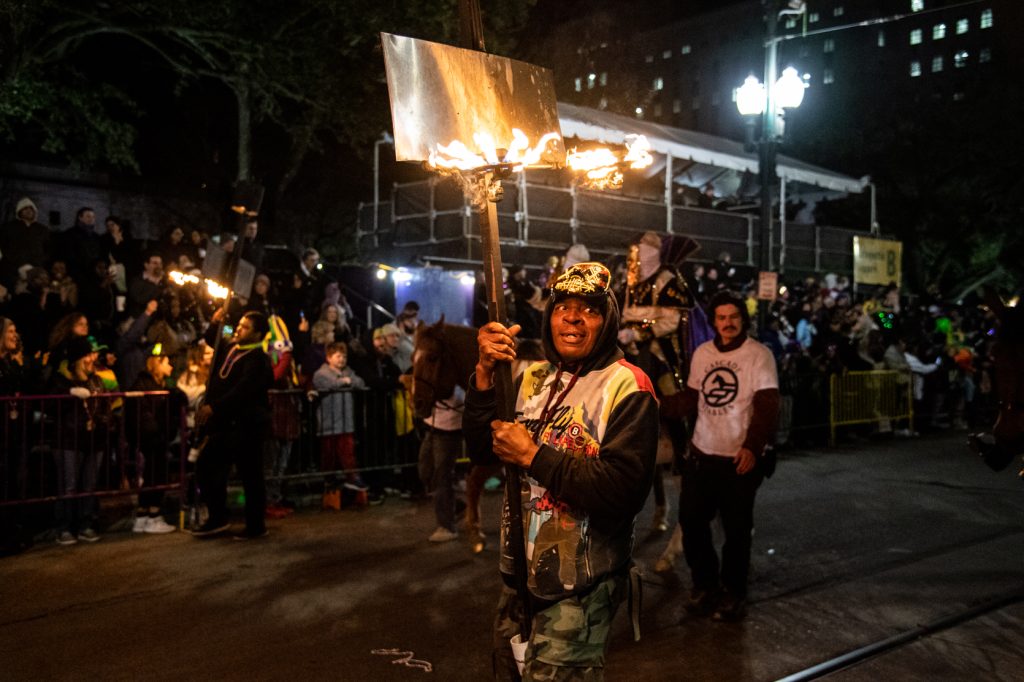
(215, 290)
(474, 117)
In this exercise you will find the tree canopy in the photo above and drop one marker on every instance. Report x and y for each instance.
(305, 77)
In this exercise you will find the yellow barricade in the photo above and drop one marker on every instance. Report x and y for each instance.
(870, 397)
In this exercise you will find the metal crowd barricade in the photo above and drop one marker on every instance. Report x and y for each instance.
(869, 397)
(302, 420)
(61, 447)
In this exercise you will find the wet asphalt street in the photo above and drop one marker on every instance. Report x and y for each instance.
(852, 546)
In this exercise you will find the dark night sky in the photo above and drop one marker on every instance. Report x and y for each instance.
(639, 12)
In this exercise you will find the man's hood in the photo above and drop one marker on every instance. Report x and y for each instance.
(606, 350)
(25, 202)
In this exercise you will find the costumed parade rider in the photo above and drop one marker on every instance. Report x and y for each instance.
(661, 327)
(585, 438)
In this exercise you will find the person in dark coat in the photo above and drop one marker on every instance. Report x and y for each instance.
(248, 248)
(97, 299)
(235, 416)
(118, 246)
(80, 245)
(37, 311)
(148, 286)
(22, 240)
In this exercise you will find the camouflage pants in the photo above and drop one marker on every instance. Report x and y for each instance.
(569, 638)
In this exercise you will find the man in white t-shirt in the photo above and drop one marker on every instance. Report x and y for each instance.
(732, 402)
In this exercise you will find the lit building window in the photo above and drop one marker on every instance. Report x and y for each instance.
(812, 17)
(937, 64)
(916, 5)
(649, 59)
(915, 69)
(591, 80)
(985, 55)
(685, 49)
(639, 112)
(986, 19)
(667, 54)
(830, 45)
(962, 25)
(677, 106)
(881, 38)
(837, 11)
(659, 83)
(960, 59)
(828, 77)
(959, 96)
(938, 31)
(603, 80)
(579, 84)
(603, 104)
(915, 37)
(791, 22)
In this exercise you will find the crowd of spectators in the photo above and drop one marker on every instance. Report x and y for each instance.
(95, 310)
(821, 325)
(114, 290)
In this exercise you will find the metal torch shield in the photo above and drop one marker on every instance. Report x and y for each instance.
(441, 93)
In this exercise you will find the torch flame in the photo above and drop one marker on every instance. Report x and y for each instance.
(215, 289)
(457, 156)
(599, 168)
(602, 168)
(181, 279)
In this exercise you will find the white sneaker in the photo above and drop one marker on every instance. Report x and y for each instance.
(141, 524)
(158, 525)
(660, 520)
(443, 535)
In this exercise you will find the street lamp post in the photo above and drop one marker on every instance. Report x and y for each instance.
(769, 100)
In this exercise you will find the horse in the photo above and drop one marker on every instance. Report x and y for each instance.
(444, 357)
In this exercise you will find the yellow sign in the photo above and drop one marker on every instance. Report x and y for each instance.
(877, 261)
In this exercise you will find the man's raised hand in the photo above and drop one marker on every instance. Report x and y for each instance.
(497, 343)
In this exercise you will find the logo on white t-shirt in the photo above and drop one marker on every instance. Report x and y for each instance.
(719, 386)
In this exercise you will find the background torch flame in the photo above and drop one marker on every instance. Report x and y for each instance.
(214, 289)
(181, 279)
(217, 291)
(602, 168)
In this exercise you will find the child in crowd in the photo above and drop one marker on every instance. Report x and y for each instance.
(285, 417)
(151, 427)
(336, 416)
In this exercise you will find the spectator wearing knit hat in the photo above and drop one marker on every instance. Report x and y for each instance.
(22, 240)
(87, 425)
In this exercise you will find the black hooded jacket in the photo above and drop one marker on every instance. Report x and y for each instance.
(594, 463)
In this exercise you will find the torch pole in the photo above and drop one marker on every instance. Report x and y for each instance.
(504, 394)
